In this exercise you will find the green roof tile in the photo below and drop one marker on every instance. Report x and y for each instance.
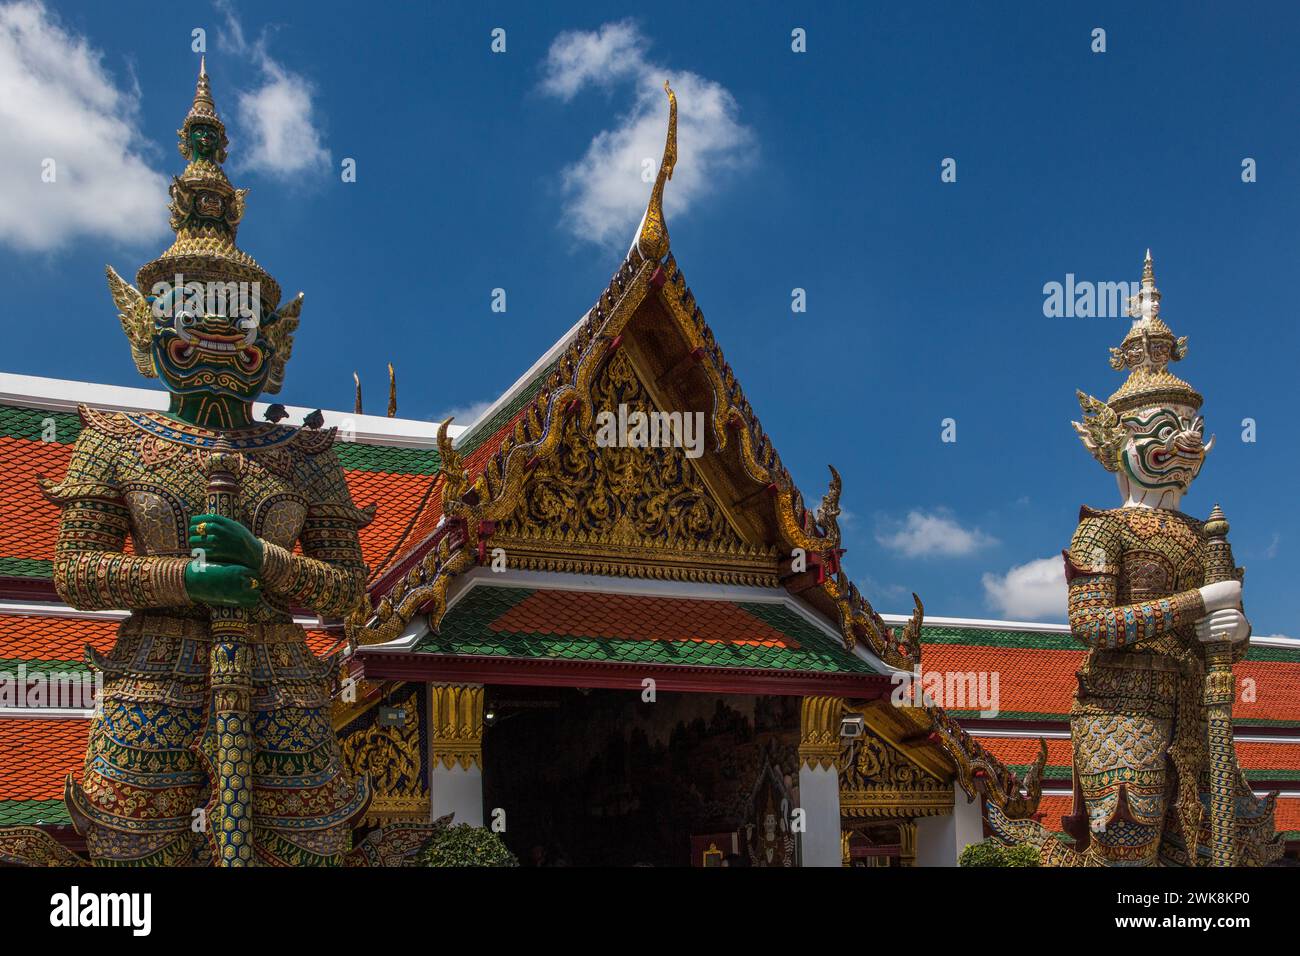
(467, 630)
(26, 568)
(30, 812)
(355, 456)
(489, 427)
(30, 423)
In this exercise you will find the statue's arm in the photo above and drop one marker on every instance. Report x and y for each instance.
(1096, 618)
(90, 569)
(329, 577)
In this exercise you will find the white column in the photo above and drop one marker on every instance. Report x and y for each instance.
(819, 779)
(456, 752)
(940, 840)
(457, 790)
(819, 797)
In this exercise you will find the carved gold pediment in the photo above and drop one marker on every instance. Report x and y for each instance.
(391, 756)
(876, 780)
(600, 508)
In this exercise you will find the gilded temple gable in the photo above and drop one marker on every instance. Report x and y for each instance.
(624, 494)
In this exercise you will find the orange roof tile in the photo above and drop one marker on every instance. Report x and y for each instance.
(30, 523)
(1030, 680)
(1036, 680)
(427, 521)
(31, 637)
(1287, 816)
(397, 497)
(639, 617)
(1020, 751)
(1053, 807)
(36, 754)
(49, 638)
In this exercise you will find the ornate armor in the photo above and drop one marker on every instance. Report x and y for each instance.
(212, 741)
(141, 475)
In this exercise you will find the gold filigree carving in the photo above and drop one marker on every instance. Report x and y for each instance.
(819, 731)
(626, 510)
(456, 725)
(979, 773)
(876, 780)
(390, 756)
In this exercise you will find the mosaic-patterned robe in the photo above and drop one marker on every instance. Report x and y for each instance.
(1137, 723)
(141, 475)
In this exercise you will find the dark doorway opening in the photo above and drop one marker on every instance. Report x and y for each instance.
(605, 778)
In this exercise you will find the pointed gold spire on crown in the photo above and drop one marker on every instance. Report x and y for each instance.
(202, 111)
(206, 209)
(1148, 348)
(652, 235)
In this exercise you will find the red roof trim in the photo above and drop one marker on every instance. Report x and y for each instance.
(27, 589)
(544, 672)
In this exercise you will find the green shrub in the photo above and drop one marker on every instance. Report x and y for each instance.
(465, 845)
(993, 853)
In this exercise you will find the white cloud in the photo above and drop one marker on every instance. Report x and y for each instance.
(465, 415)
(278, 118)
(934, 534)
(606, 190)
(1031, 591)
(576, 58)
(58, 102)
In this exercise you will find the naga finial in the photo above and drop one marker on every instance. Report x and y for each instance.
(652, 235)
(392, 391)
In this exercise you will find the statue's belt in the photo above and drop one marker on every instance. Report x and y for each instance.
(1130, 661)
(197, 629)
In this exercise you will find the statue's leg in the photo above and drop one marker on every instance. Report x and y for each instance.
(304, 804)
(141, 785)
(1121, 726)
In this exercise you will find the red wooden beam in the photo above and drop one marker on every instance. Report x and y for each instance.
(549, 672)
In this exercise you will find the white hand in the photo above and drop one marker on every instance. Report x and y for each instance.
(1228, 625)
(1220, 595)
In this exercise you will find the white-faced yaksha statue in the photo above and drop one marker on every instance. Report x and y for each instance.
(1155, 596)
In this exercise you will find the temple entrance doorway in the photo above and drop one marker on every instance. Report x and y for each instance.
(603, 778)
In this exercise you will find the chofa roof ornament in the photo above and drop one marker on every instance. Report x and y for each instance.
(652, 234)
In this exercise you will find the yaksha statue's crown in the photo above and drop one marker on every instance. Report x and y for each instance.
(206, 210)
(1146, 352)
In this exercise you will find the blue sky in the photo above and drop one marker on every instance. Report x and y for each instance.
(818, 170)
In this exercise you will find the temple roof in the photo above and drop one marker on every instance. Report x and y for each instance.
(621, 623)
(35, 756)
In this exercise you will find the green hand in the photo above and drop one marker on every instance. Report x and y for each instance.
(225, 585)
(225, 541)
